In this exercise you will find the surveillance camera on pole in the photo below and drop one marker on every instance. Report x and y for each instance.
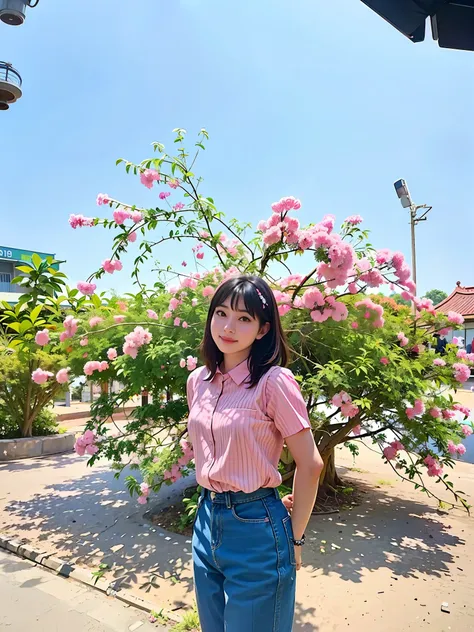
(13, 12)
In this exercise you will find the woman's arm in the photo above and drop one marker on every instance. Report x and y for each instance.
(309, 466)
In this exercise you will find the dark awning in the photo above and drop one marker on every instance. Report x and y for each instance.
(452, 21)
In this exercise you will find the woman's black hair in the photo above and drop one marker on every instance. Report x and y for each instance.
(272, 349)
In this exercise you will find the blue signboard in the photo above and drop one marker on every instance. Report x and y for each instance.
(16, 255)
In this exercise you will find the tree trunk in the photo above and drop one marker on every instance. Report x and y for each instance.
(329, 481)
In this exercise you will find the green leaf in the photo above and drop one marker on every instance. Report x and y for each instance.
(26, 268)
(36, 259)
(15, 326)
(35, 313)
(96, 300)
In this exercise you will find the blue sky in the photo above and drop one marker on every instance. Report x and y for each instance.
(320, 100)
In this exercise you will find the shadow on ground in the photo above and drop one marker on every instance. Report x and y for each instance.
(92, 520)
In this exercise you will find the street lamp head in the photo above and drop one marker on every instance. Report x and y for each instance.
(403, 193)
(13, 12)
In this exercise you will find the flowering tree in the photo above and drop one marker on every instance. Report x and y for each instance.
(33, 362)
(364, 363)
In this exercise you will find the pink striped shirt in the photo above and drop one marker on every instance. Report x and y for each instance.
(237, 433)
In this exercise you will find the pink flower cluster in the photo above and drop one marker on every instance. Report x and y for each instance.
(461, 372)
(333, 309)
(119, 318)
(433, 465)
(95, 320)
(136, 339)
(112, 354)
(175, 472)
(462, 409)
(372, 311)
(228, 247)
(79, 221)
(120, 215)
(144, 493)
(455, 318)
(425, 304)
(286, 204)
(86, 444)
(439, 362)
(456, 449)
(402, 338)
(435, 412)
(197, 249)
(173, 183)
(190, 363)
(467, 430)
(164, 194)
(95, 365)
(102, 198)
(86, 288)
(353, 220)
(343, 401)
(152, 314)
(42, 337)
(392, 450)
(41, 377)
(178, 206)
(70, 326)
(112, 266)
(418, 408)
(62, 376)
(148, 176)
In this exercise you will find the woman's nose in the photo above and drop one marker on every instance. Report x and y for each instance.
(229, 326)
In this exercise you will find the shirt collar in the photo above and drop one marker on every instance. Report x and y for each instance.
(239, 373)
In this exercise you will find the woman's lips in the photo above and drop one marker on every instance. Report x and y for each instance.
(227, 339)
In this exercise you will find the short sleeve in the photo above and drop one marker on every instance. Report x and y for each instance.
(285, 404)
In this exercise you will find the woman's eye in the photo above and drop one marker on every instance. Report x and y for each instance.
(246, 319)
(219, 312)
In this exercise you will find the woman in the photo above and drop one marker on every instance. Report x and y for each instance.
(242, 405)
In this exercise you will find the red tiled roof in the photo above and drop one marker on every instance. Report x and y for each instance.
(461, 300)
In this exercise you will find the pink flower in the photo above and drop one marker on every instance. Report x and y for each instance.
(390, 453)
(148, 176)
(182, 363)
(461, 372)
(91, 366)
(200, 255)
(104, 365)
(448, 414)
(178, 206)
(467, 430)
(119, 318)
(455, 318)
(84, 342)
(144, 488)
(463, 409)
(435, 412)
(433, 465)
(136, 339)
(417, 409)
(42, 337)
(41, 377)
(79, 221)
(191, 363)
(151, 314)
(313, 297)
(142, 500)
(167, 315)
(176, 322)
(95, 320)
(451, 447)
(185, 324)
(384, 360)
(164, 194)
(62, 376)
(112, 353)
(461, 449)
(102, 198)
(208, 291)
(349, 410)
(86, 288)
(173, 304)
(355, 325)
(356, 430)
(120, 215)
(136, 216)
(402, 338)
(439, 362)
(354, 220)
(132, 237)
(173, 183)
(272, 236)
(111, 266)
(203, 234)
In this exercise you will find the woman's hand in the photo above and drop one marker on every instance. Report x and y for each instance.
(298, 557)
(288, 502)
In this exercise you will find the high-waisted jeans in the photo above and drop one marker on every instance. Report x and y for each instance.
(244, 562)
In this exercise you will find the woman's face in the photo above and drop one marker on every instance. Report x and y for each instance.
(235, 331)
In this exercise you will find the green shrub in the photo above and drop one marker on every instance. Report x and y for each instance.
(45, 424)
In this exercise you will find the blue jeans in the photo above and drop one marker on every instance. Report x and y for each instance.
(244, 562)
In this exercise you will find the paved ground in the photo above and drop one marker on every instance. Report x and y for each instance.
(34, 599)
(388, 563)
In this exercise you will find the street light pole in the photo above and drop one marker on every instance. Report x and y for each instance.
(404, 195)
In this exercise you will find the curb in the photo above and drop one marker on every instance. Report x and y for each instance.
(69, 571)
